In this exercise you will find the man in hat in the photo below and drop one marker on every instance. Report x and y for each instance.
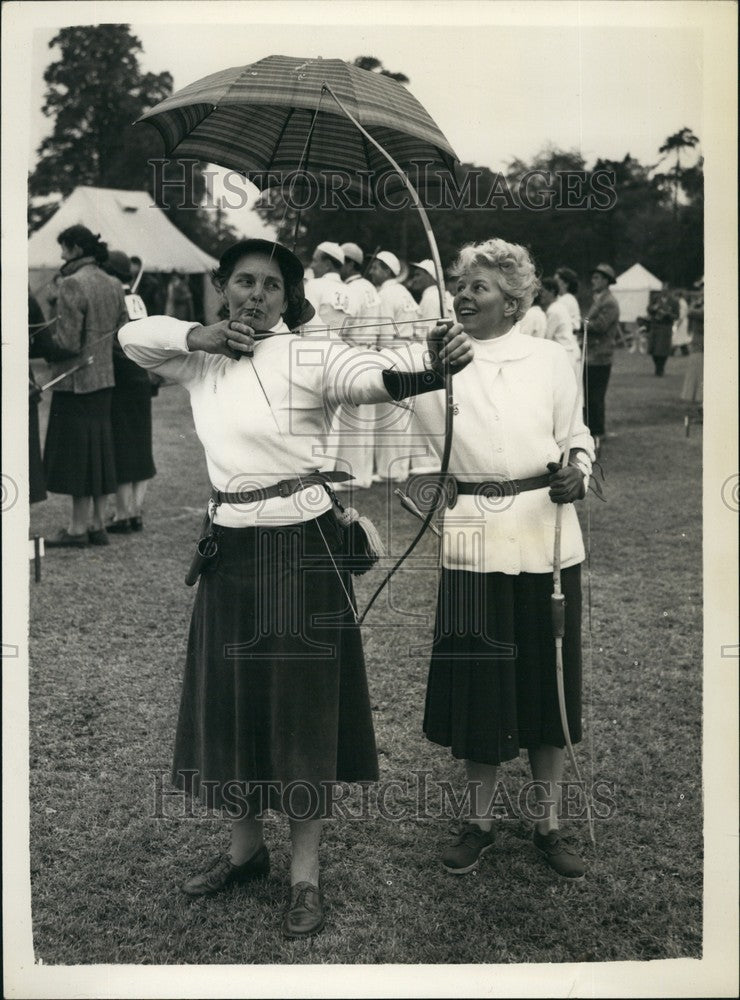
(603, 326)
(326, 292)
(398, 309)
(398, 315)
(364, 299)
(422, 282)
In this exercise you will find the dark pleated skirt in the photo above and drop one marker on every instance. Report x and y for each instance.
(275, 705)
(131, 423)
(492, 686)
(659, 340)
(78, 456)
(36, 481)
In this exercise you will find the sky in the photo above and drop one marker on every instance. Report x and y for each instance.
(497, 90)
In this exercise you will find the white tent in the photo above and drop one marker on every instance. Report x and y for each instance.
(632, 292)
(127, 221)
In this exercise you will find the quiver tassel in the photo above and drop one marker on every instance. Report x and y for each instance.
(364, 546)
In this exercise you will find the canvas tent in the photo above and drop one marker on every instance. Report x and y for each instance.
(127, 221)
(632, 292)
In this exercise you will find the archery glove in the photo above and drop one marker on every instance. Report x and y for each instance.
(566, 483)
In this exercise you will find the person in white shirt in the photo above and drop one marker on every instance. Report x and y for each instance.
(534, 321)
(422, 282)
(398, 316)
(352, 443)
(492, 680)
(365, 306)
(558, 323)
(680, 337)
(264, 720)
(327, 293)
(399, 312)
(567, 287)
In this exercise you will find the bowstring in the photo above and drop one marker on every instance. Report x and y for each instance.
(590, 658)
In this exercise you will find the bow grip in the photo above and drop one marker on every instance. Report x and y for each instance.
(557, 611)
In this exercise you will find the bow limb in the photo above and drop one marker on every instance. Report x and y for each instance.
(429, 516)
(449, 401)
(558, 601)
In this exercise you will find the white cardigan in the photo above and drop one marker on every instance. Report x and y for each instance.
(250, 442)
(514, 404)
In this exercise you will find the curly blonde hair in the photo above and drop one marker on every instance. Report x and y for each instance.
(515, 270)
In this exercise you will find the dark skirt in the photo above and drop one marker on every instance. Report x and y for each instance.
(660, 339)
(78, 456)
(131, 423)
(275, 703)
(36, 481)
(492, 686)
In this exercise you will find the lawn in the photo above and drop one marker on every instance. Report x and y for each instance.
(109, 845)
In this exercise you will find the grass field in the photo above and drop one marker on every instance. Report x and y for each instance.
(108, 632)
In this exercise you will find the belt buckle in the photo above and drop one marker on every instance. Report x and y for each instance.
(284, 488)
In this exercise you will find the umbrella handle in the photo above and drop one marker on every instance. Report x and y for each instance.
(414, 198)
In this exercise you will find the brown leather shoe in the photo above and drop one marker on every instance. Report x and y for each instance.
(118, 526)
(305, 913)
(561, 856)
(221, 872)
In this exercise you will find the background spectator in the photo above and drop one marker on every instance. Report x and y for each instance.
(78, 457)
(131, 422)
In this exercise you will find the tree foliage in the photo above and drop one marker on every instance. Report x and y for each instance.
(95, 92)
(374, 65)
(636, 223)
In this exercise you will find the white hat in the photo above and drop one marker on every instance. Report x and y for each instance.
(391, 262)
(426, 265)
(332, 250)
(352, 252)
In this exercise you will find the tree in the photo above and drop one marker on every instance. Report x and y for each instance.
(374, 65)
(95, 92)
(675, 144)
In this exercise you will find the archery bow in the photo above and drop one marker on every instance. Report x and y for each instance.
(557, 600)
(449, 401)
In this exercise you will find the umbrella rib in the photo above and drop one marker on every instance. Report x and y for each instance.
(283, 127)
(305, 156)
(367, 151)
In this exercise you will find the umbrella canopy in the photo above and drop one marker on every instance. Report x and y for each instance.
(259, 119)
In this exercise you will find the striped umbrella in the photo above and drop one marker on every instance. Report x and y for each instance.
(283, 113)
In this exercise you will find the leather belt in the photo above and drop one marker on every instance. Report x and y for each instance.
(493, 488)
(284, 488)
(426, 489)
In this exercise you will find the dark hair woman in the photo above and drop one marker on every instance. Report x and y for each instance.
(131, 419)
(275, 705)
(78, 456)
(492, 680)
